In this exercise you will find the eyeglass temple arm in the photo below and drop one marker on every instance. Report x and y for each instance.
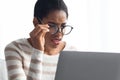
(39, 20)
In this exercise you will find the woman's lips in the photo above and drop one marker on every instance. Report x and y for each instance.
(56, 41)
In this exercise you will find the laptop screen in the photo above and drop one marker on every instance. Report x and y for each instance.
(76, 65)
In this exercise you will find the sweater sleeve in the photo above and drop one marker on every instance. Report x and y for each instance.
(15, 64)
(35, 71)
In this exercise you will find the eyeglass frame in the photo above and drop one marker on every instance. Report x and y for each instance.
(58, 29)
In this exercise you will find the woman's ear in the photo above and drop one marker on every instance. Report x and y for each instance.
(35, 21)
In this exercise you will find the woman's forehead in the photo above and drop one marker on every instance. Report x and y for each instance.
(57, 16)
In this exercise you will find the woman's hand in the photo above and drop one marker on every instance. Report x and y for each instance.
(37, 36)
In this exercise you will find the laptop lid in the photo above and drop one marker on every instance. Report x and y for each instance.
(75, 65)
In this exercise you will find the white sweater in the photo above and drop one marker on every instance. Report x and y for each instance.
(27, 63)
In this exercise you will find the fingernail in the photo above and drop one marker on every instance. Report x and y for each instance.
(47, 30)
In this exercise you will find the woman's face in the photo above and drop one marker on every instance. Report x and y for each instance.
(57, 17)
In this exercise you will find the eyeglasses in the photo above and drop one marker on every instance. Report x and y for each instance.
(64, 29)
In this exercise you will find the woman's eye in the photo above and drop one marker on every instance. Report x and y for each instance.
(63, 26)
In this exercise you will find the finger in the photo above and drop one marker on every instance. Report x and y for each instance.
(42, 33)
(44, 26)
(37, 29)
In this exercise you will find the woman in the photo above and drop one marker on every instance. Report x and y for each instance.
(36, 58)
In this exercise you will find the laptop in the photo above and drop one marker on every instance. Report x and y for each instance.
(76, 65)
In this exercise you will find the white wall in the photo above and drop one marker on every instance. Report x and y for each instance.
(96, 23)
(3, 70)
